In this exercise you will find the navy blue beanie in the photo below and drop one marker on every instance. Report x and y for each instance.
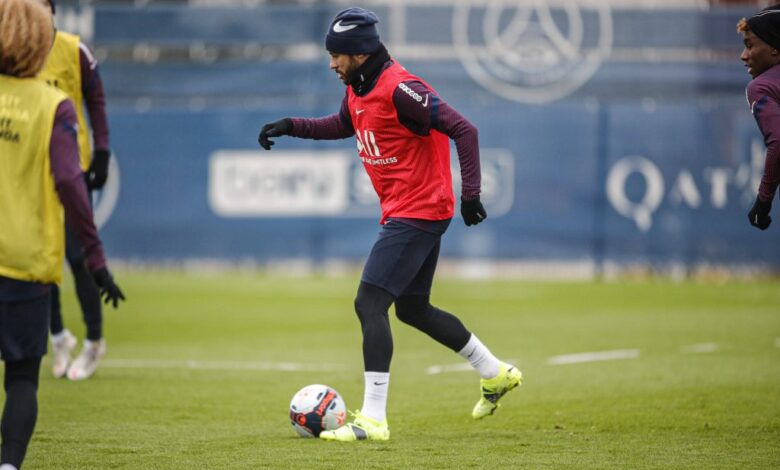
(766, 25)
(353, 31)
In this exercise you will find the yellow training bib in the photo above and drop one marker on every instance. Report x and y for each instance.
(31, 215)
(63, 71)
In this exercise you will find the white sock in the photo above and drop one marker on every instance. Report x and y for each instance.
(480, 357)
(7, 466)
(57, 338)
(375, 395)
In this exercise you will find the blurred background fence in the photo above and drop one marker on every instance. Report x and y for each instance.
(612, 133)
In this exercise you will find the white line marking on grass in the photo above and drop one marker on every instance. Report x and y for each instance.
(699, 348)
(459, 367)
(595, 356)
(216, 365)
(463, 367)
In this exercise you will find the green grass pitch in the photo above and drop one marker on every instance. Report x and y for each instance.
(189, 379)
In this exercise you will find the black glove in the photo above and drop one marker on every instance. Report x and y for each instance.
(108, 290)
(759, 214)
(472, 211)
(98, 169)
(274, 129)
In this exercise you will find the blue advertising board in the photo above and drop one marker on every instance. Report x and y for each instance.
(606, 133)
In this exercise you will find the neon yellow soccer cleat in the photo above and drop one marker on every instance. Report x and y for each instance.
(360, 429)
(508, 378)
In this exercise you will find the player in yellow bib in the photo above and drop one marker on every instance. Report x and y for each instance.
(72, 68)
(41, 185)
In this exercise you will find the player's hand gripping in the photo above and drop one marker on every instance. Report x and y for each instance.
(759, 214)
(109, 291)
(274, 129)
(472, 211)
(98, 169)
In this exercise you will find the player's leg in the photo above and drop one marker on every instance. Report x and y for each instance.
(86, 288)
(94, 346)
(394, 260)
(56, 326)
(413, 307)
(63, 343)
(21, 409)
(23, 334)
(370, 422)
(371, 305)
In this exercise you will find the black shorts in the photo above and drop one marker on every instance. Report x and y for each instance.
(403, 259)
(24, 328)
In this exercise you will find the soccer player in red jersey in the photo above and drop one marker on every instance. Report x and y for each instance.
(402, 128)
(40, 179)
(761, 55)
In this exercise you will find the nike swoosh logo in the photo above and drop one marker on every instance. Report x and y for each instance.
(380, 383)
(472, 353)
(339, 28)
(358, 111)
(425, 105)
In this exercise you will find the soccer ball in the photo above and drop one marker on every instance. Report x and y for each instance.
(316, 408)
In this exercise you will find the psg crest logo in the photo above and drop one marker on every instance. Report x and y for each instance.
(532, 51)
